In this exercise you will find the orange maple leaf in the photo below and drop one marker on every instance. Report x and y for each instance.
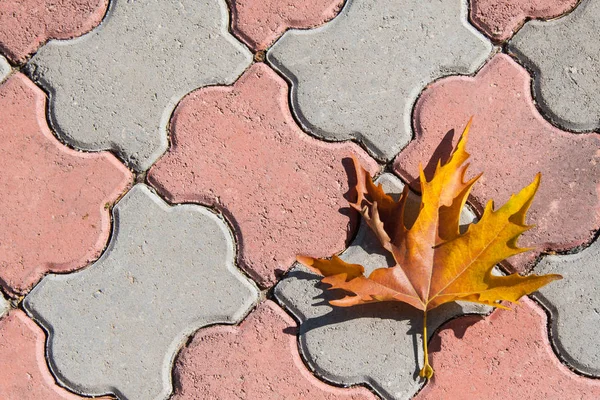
(435, 263)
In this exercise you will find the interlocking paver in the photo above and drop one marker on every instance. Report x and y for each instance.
(55, 215)
(4, 68)
(24, 374)
(574, 304)
(500, 19)
(116, 326)
(4, 306)
(257, 360)
(116, 87)
(565, 55)
(359, 75)
(27, 24)
(260, 22)
(238, 148)
(510, 142)
(505, 356)
(378, 344)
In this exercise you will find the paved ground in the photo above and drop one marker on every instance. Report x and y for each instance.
(163, 162)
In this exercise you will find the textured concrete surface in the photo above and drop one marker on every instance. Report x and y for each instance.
(4, 306)
(240, 142)
(358, 77)
(55, 215)
(117, 87)
(256, 360)
(565, 57)
(258, 23)
(5, 68)
(116, 326)
(510, 142)
(574, 303)
(505, 356)
(27, 24)
(500, 19)
(344, 345)
(24, 374)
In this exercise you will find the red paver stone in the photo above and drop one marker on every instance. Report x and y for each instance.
(54, 215)
(26, 24)
(239, 149)
(500, 19)
(504, 356)
(260, 22)
(257, 360)
(24, 374)
(510, 142)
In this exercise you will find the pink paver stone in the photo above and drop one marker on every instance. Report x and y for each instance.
(500, 19)
(27, 24)
(504, 356)
(239, 149)
(257, 360)
(55, 215)
(259, 23)
(24, 374)
(510, 142)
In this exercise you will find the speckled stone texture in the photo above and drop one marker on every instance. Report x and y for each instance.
(116, 326)
(504, 356)
(378, 344)
(359, 75)
(239, 149)
(510, 142)
(500, 19)
(27, 24)
(24, 374)
(565, 57)
(574, 303)
(117, 87)
(55, 213)
(257, 360)
(4, 69)
(258, 23)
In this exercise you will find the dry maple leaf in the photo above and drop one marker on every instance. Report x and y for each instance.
(435, 263)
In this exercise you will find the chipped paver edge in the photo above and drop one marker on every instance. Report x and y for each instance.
(180, 341)
(357, 137)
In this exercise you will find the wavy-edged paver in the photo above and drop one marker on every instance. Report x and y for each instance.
(260, 22)
(55, 215)
(510, 142)
(116, 326)
(574, 304)
(238, 148)
(505, 356)
(377, 344)
(5, 69)
(24, 374)
(116, 87)
(500, 19)
(256, 360)
(26, 24)
(565, 57)
(359, 75)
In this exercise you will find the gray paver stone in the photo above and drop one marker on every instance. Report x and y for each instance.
(574, 303)
(378, 344)
(3, 305)
(116, 87)
(4, 68)
(117, 325)
(359, 75)
(565, 55)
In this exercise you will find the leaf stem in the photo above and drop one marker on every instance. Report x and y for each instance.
(426, 371)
